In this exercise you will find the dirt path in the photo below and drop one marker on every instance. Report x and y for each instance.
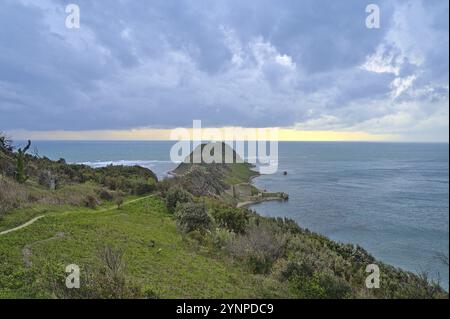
(28, 223)
(35, 219)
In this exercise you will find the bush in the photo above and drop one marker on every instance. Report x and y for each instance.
(166, 184)
(232, 219)
(320, 286)
(105, 195)
(142, 187)
(12, 195)
(134, 179)
(175, 196)
(5, 143)
(47, 179)
(107, 280)
(113, 183)
(198, 239)
(192, 216)
(259, 248)
(119, 202)
(309, 281)
(334, 287)
(423, 287)
(7, 167)
(285, 270)
(91, 202)
(222, 238)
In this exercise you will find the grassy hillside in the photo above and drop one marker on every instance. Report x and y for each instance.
(135, 237)
(155, 254)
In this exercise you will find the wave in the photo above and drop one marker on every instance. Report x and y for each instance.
(143, 163)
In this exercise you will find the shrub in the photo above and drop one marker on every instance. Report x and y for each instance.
(131, 179)
(287, 225)
(5, 143)
(21, 176)
(423, 287)
(119, 202)
(308, 287)
(105, 195)
(112, 183)
(285, 270)
(334, 287)
(47, 179)
(12, 195)
(107, 280)
(259, 248)
(198, 239)
(91, 202)
(141, 186)
(175, 196)
(166, 184)
(192, 216)
(320, 285)
(232, 219)
(222, 238)
(309, 281)
(7, 167)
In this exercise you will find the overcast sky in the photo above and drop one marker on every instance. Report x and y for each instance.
(309, 65)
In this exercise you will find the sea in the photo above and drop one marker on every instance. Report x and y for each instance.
(390, 198)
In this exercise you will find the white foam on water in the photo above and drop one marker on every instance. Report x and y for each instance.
(143, 163)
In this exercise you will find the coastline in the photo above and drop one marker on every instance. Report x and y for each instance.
(248, 204)
(276, 196)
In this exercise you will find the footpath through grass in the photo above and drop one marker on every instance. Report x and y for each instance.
(155, 254)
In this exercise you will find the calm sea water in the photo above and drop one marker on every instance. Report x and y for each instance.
(392, 199)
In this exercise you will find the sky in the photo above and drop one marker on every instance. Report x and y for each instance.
(137, 69)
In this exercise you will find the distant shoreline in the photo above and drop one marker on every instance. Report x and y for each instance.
(264, 199)
(248, 203)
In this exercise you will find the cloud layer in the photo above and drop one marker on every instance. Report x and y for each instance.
(303, 64)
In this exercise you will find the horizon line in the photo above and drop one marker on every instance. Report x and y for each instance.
(229, 133)
(227, 141)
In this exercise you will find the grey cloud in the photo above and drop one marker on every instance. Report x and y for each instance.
(309, 64)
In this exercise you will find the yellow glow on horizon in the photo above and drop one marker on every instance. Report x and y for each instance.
(331, 136)
(143, 134)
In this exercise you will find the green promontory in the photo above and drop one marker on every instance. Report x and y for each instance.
(228, 177)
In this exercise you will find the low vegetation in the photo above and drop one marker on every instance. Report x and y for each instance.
(193, 217)
(176, 196)
(106, 279)
(28, 180)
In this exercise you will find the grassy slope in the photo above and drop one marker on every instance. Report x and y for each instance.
(239, 173)
(178, 271)
(48, 205)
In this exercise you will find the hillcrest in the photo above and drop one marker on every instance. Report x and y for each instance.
(227, 146)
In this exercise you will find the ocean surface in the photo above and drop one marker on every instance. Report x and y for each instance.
(390, 198)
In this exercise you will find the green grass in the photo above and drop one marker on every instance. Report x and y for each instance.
(44, 201)
(240, 173)
(172, 269)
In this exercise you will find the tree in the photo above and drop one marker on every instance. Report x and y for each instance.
(5, 143)
(20, 165)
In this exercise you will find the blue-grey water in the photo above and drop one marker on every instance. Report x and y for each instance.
(390, 198)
